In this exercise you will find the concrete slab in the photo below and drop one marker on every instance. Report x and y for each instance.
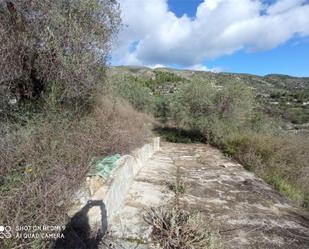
(247, 212)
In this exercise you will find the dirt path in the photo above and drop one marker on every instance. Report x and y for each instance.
(245, 211)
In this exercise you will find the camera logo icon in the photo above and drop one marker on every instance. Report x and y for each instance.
(5, 232)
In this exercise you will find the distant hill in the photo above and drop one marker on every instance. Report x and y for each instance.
(270, 81)
(280, 95)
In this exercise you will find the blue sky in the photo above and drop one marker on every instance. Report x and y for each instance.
(181, 7)
(291, 58)
(245, 36)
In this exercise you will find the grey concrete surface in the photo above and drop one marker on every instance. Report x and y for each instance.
(244, 210)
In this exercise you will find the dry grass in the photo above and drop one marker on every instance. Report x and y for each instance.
(281, 159)
(178, 229)
(42, 163)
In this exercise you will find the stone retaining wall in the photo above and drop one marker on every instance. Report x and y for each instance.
(111, 194)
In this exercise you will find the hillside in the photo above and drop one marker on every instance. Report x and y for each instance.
(262, 122)
(280, 96)
(270, 81)
(77, 135)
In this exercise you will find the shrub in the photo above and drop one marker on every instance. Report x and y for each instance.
(215, 112)
(280, 158)
(43, 162)
(161, 108)
(176, 135)
(162, 76)
(131, 89)
(175, 228)
(228, 117)
(54, 42)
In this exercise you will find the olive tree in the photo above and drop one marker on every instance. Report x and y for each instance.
(61, 45)
(215, 111)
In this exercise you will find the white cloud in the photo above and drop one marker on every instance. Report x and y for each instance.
(284, 5)
(201, 67)
(220, 27)
(156, 66)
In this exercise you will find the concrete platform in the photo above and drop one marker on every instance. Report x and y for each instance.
(244, 210)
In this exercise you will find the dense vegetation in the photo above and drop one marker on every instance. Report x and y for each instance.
(54, 48)
(292, 106)
(230, 116)
(56, 109)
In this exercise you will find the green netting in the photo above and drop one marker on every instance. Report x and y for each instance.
(103, 167)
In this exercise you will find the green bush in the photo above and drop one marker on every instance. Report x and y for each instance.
(296, 115)
(228, 117)
(280, 158)
(216, 112)
(133, 90)
(286, 188)
(176, 135)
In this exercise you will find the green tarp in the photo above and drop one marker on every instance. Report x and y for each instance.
(103, 167)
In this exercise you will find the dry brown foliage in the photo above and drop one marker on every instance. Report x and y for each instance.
(178, 229)
(63, 42)
(43, 163)
(281, 159)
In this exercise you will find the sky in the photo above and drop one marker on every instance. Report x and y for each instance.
(243, 36)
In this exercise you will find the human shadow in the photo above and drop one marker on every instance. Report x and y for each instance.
(78, 235)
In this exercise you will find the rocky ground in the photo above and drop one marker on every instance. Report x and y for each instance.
(241, 209)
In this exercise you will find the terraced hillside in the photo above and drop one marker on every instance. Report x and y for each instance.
(280, 95)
